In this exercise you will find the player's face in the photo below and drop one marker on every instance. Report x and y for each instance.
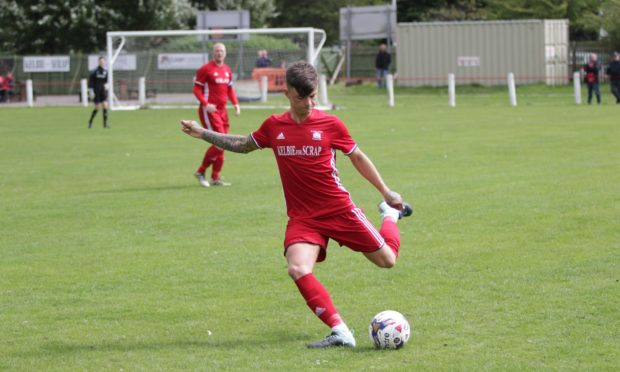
(101, 62)
(219, 53)
(302, 106)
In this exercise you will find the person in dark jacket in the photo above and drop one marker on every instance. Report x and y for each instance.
(263, 59)
(6, 86)
(382, 65)
(590, 70)
(97, 86)
(613, 70)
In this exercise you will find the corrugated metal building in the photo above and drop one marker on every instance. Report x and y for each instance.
(482, 52)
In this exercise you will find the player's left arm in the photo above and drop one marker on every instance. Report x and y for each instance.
(367, 169)
(233, 98)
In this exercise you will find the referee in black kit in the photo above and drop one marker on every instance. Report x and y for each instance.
(97, 88)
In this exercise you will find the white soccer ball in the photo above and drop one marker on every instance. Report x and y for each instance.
(389, 330)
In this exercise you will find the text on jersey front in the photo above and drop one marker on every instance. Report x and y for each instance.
(299, 151)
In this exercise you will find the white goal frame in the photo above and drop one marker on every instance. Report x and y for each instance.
(312, 53)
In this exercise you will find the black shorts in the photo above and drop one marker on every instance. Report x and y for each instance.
(100, 96)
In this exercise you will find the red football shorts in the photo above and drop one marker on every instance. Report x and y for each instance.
(216, 121)
(350, 229)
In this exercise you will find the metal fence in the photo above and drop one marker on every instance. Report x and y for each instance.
(173, 81)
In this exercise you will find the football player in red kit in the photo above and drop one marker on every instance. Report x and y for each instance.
(304, 141)
(213, 86)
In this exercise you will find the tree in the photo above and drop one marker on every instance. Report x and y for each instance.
(316, 13)
(460, 10)
(61, 26)
(261, 11)
(611, 14)
(584, 15)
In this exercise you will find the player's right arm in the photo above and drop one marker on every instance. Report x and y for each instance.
(199, 85)
(91, 80)
(230, 142)
(200, 94)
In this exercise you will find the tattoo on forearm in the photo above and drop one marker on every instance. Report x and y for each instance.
(230, 142)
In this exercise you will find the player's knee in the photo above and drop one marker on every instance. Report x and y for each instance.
(384, 258)
(387, 263)
(297, 271)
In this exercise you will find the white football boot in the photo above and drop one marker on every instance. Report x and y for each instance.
(336, 338)
(201, 179)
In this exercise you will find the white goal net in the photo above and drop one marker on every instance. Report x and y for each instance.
(156, 69)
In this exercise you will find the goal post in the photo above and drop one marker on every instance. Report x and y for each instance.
(166, 61)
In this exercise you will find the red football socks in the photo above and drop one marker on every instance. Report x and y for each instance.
(218, 164)
(318, 300)
(390, 232)
(210, 157)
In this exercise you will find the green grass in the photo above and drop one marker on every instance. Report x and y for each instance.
(112, 257)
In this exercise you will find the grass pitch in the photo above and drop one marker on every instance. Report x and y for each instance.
(112, 257)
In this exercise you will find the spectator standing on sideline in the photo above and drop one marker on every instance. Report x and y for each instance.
(212, 86)
(7, 86)
(613, 70)
(263, 59)
(98, 89)
(3, 93)
(382, 65)
(591, 78)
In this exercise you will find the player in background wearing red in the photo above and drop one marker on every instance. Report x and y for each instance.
(213, 86)
(304, 141)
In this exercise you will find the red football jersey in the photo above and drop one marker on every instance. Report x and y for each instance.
(217, 84)
(306, 158)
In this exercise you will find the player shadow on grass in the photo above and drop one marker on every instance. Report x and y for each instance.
(206, 343)
(295, 341)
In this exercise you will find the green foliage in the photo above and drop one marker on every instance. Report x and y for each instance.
(32, 26)
(190, 44)
(584, 15)
(462, 10)
(316, 13)
(261, 11)
(611, 15)
(61, 26)
(442, 10)
(112, 257)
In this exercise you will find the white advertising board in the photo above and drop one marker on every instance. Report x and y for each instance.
(181, 61)
(47, 64)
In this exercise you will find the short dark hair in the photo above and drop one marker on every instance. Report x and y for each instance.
(302, 76)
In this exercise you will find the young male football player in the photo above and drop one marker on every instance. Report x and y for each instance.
(212, 86)
(97, 85)
(304, 141)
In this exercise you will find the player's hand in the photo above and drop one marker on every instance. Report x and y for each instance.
(91, 94)
(237, 110)
(393, 199)
(211, 107)
(192, 128)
